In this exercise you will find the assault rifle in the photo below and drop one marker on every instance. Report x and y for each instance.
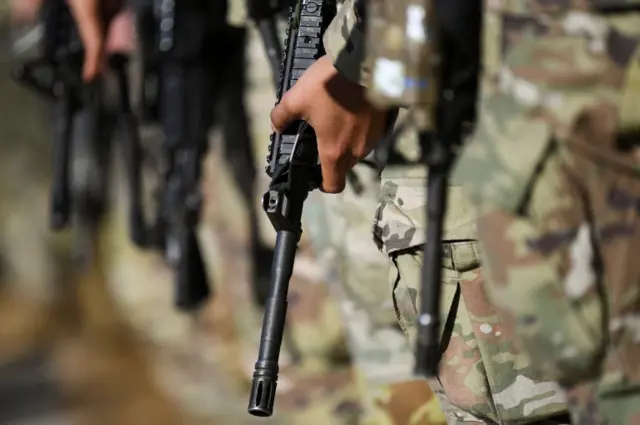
(292, 164)
(84, 116)
(177, 94)
(455, 65)
(438, 80)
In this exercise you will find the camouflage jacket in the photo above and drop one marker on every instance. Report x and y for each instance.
(399, 222)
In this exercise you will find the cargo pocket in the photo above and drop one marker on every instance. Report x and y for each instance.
(463, 390)
(405, 281)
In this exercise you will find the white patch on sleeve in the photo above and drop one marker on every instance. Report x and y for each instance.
(388, 77)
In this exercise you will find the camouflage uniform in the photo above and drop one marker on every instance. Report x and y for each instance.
(553, 170)
(483, 379)
(340, 228)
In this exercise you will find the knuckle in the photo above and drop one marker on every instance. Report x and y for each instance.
(274, 116)
(331, 154)
(359, 151)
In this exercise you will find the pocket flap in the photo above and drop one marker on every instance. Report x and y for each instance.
(498, 163)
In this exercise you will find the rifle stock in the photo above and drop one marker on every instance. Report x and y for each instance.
(292, 164)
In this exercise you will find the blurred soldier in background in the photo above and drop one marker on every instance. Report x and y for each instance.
(553, 170)
(30, 263)
(69, 318)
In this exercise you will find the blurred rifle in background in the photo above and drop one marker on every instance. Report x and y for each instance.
(265, 13)
(176, 39)
(193, 70)
(84, 118)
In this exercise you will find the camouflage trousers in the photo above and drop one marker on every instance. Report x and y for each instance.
(484, 378)
(577, 317)
(471, 387)
(340, 227)
(554, 172)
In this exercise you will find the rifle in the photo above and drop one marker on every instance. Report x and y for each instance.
(438, 80)
(264, 14)
(82, 131)
(292, 164)
(177, 66)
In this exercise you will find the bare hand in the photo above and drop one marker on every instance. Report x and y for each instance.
(103, 27)
(346, 125)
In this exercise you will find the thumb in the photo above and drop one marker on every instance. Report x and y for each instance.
(288, 110)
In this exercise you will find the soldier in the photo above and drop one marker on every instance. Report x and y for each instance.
(552, 168)
(89, 361)
(484, 378)
(340, 229)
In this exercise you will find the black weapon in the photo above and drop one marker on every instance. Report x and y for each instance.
(456, 34)
(132, 149)
(292, 164)
(176, 39)
(82, 131)
(264, 13)
(227, 86)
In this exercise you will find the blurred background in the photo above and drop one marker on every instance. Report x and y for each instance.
(104, 344)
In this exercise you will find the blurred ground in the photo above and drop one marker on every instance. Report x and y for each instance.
(106, 346)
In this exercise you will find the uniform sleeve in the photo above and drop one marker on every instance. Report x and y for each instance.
(344, 42)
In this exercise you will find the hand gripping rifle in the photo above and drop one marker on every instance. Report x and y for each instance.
(292, 164)
(176, 36)
(83, 120)
(434, 72)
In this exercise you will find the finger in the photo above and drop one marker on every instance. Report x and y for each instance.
(334, 171)
(92, 62)
(286, 111)
(121, 34)
(90, 27)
